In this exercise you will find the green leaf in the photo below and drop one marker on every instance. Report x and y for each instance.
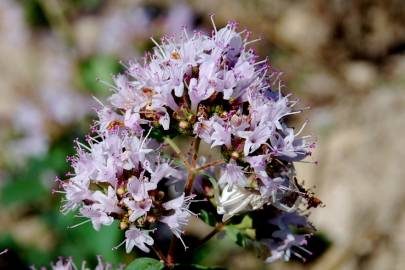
(246, 223)
(241, 233)
(196, 267)
(208, 217)
(145, 264)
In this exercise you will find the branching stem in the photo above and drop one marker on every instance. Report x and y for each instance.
(178, 152)
(210, 164)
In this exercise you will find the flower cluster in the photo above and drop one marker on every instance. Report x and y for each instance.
(213, 89)
(119, 176)
(68, 264)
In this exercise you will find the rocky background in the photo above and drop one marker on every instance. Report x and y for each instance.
(344, 59)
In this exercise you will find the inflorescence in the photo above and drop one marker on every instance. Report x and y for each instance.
(214, 90)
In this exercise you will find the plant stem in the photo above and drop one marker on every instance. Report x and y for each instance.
(170, 253)
(178, 152)
(219, 227)
(195, 153)
(187, 189)
(159, 253)
(210, 164)
(191, 173)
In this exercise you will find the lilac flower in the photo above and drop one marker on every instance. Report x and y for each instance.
(63, 265)
(199, 91)
(106, 202)
(140, 239)
(225, 35)
(270, 112)
(233, 175)
(108, 120)
(233, 50)
(244, 74)
(135, 152)
(125, 97)
(76, 193)
(284, 239)
(282, 249)
(163, 170)
(97, 216)
(288, 148)
(138, 208)
(179, 219)
(203, 129)
(238, 123)
(139, 188)
(221, 135)
(258, 163)
(68, 264)
(133, 121)
(255, 138)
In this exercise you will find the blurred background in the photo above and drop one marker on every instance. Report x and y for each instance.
(345, 59)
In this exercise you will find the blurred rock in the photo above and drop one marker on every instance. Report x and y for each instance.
(33, 232)
(360, 75)
(29, 231)
(360, 183)
(321, 85)
(396, 69)
(302, 29)
(86, 31)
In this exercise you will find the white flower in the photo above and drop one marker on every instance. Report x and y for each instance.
(236, 200)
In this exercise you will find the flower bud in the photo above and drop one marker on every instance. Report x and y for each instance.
(183, 125)
(123, 225)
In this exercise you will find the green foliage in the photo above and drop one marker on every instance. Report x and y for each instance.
(27, 190)
(101, 67)
(158, 133)
(208, 217)
(196, 267)
(153, 264)
(30, 183)
(241, 233)
(86, 5)
(145, 264)
(22, 191)
(34, 14)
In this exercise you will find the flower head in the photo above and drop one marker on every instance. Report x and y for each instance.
(213, 89)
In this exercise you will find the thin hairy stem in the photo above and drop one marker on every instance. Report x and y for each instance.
(210, 164)
(178, 152)
(192, 173)
(219, 227)
(197, 142)
(187, 189)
